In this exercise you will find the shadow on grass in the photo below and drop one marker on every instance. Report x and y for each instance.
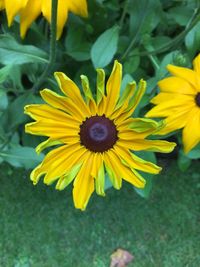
(40, 227)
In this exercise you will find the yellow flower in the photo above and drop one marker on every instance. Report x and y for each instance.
(29, 10)
(94, 136)
(179, 102)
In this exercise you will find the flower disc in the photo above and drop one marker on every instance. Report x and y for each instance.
(98, 134)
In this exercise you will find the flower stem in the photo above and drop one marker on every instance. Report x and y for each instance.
(52, 52)
(123, 13)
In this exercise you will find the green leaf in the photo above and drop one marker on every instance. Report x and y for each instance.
(12, 52)
(19, 156)
(4, 73)
(192, 40)
(132, 62)
(168, 59)
(144, 16)
(183, 161)
(3, 100)
(15, 111)
(105, 47)
(194, 153)
(76, 45)
(181, 14)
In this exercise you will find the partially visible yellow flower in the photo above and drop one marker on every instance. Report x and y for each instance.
(2, 4)
(93, 135)
(29, 10)
(179, 103)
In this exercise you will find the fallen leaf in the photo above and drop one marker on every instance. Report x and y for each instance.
(121, 258)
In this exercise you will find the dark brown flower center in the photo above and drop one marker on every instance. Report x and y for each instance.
(197, 99)
(98, 133)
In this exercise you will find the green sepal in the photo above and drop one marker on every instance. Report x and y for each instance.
(100, 84)
(86, 89)
(100, 181)
(65, 180)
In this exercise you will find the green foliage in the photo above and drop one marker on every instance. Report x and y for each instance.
(105, 47)
(19, 156)
(11, 52)
(144, 36)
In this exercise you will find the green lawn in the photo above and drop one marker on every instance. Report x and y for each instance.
(40, 227)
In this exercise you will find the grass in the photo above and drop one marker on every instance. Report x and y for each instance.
(41, 228)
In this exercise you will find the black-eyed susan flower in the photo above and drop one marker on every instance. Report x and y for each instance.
(94, 136)
(29, 10)
(179, 103)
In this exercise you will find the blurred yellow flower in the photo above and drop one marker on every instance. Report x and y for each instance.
(29, 10)
(179, 102)
(93, 135)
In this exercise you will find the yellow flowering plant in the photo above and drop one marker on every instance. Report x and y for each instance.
(98, 130)
(179, 103)
(29, 10)
(93, 136)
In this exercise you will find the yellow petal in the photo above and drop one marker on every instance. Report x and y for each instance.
(37, 173)
(126, 96)
(113, 87)
(49, 142)
(134, 131)
(137, 96)
(65, 180)
(123, 103)
(62, 103)
(83, 184)
(33, 9)
(114, 176)
(133, 103)
(176, 85)
(62, 14)
(63, 165)
(143, 125)
(163, 97)
(170, 107)
(102, 106)
(135, 162)
(100, 181)
(149, 145)
(186, 74)
(2, 4)
(45, 112)
(70, 89)
(12, 9)
(112, 159)
(196, 64)
(97, 162)
(100, 84)
(175, 121)
(88, 95)
(191, 132)
(53, 129)
(78, 7)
